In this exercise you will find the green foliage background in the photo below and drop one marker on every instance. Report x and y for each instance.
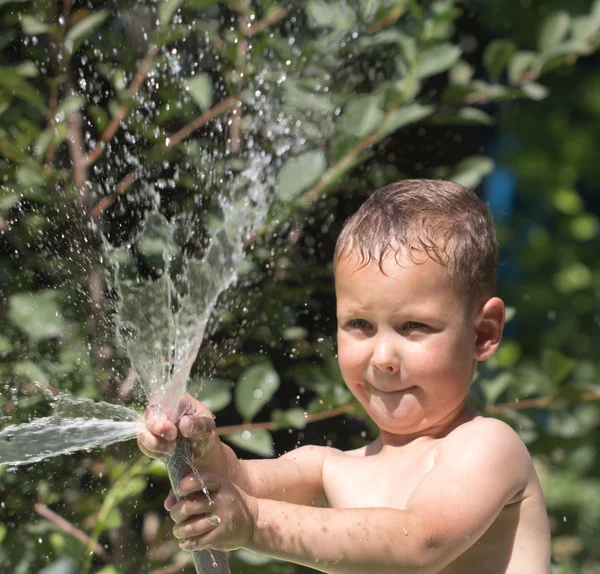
(110, 110)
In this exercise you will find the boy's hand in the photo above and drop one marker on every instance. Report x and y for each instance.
(226, 524)
(196, 422)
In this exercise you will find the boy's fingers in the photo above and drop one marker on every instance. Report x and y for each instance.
(197, 482)
(159, 424)
(170, 501)
(195, 425)
(153, 445)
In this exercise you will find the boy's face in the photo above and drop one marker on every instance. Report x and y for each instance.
(406, 343)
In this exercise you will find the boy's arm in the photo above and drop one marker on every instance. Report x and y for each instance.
(473, 479)
(294, 477)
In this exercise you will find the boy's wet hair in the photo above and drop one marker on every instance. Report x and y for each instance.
(421, 218)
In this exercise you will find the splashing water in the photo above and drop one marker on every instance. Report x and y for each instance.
(162, 334)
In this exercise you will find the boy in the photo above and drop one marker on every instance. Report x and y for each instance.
(441, 489)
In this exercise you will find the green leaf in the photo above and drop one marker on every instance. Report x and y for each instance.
(30, 371)
(493, 388)
(80, 31)
(508, 353)
(510, 313)
(200, 87)
(3, 531)
(335, 15)
(214, 393)
(113, 520)
(556, 365)
(304, 99)
(584, 28)
(166, 9)
(257, 442)
(132, 488)
(585, 227)
(70, 105)
(496, 57)
(251, 558)
(33, 27)
(294, 333)
(5, 345)
(362, 115)
(470, 171)
(553, 30)
(406, 115)
(292, 418)
(472, 115)
(461, 74)
(535, 91)
(519, 65)
(300, 173)
(255, 388)
(574, 277)
(27, 177)
(437, 59)
(37, 314)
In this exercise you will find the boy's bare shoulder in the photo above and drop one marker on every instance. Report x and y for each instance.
(486, 442)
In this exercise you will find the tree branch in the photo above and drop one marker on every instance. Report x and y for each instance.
(115, 122)
(542, 402)
(186, 131)
(106, 201)
(69, 528)
(272, 426)
(265, 22)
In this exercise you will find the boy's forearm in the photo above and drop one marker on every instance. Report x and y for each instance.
(349, 541)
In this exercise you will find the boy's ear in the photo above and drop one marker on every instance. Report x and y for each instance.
(488, 328)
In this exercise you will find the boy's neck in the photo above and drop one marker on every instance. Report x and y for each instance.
(461, 415)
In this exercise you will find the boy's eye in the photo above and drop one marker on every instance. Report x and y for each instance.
(414, 325)
(358, 324)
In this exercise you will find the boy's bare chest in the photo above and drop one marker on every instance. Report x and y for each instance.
(376, 481)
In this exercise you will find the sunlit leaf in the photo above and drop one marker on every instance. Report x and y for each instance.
(166, 9)
(214, 393)
(334, 15)
(252, 558)
(520, 63)
(70, 105)
(37, 314)
(33, 27)
(292, 418)
(535, 91)
(257, 442)
(299, 173)
(510, 313)
(29, 177)
(255, 388)
(201, 89)
(438, 59)
(83, 29)
(131, 489)
(63, 565)
(31, 371)
(469, 114)
(585, 227)
(470, 171)
(493, 388)
(406, 115)
(556, 365)
(496, 56)
(553, 30)
(362, 115)
(574, 277)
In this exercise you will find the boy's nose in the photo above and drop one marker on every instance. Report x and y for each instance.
(385, 357)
